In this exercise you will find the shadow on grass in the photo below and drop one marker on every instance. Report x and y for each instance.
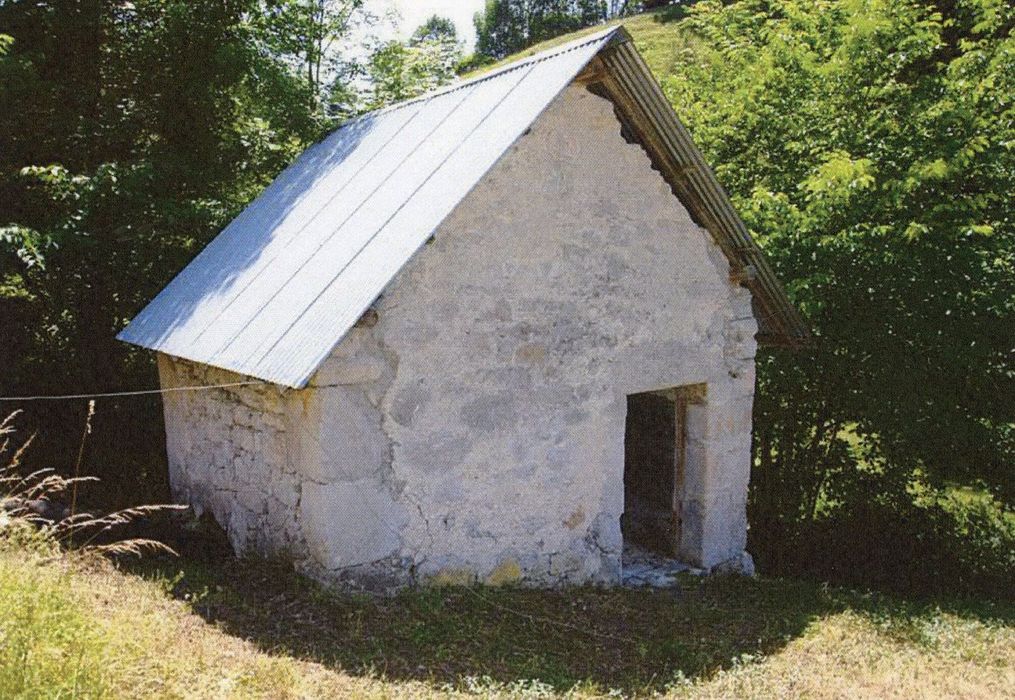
(634, 641)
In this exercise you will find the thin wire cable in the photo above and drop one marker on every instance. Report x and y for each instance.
(113, 394)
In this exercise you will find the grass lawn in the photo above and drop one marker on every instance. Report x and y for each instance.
(73, 627)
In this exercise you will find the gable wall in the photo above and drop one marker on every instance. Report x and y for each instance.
(495, 381)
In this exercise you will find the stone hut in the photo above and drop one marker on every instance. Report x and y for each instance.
(497, 333)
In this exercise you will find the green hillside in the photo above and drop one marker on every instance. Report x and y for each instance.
(656, 34)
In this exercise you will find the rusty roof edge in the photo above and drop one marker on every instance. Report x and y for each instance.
(621, 57)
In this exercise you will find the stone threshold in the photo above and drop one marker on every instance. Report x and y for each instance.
(641, 568)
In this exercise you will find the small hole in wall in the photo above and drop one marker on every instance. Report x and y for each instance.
(368, 319)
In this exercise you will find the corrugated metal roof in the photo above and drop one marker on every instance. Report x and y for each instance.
(274, 293)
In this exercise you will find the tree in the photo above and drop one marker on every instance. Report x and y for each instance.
(507, 26)
(501, 29)
(436, 29)
(867, 144)
(401, 70)
(130, 134)
(306, 33)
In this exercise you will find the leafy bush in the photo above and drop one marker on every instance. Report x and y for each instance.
(946, 546)
(868, 144)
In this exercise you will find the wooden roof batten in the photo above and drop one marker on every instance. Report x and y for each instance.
(620, 74)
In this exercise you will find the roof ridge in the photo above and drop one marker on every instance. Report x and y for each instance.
(553, 52)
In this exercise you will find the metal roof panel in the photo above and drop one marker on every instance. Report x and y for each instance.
(279, 288)
(323, 240)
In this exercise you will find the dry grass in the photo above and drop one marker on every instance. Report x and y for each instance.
(34, 500)
(849, 655)
(72, 625)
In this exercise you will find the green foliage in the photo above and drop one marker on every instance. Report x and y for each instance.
(941, 547)
(401, 70)
(507, 26)
(131, 134)
(869, 144)
(436, 28)
(27, 244)
(304, 34)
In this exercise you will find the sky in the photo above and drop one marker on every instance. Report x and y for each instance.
(415, 12)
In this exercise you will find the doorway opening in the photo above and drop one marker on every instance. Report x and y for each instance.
(661, 443)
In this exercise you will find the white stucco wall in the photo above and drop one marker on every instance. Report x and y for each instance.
(477, 430)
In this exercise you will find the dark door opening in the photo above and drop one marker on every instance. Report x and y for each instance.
(653, 446)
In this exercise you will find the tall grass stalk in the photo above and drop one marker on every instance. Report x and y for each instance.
(32, 502)
(81, 455)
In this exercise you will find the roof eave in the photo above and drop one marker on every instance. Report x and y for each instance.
(621, 71)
